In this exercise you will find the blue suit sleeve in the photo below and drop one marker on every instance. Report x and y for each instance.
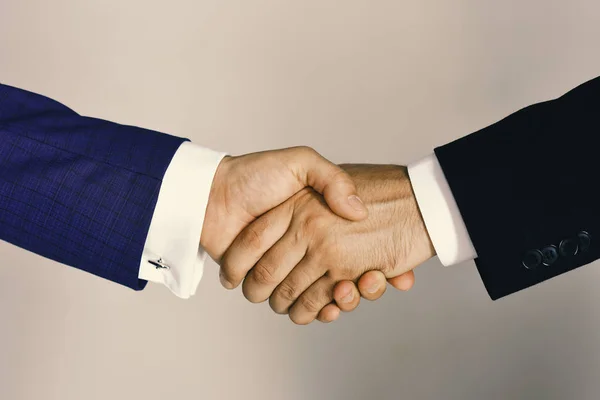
(78, 190)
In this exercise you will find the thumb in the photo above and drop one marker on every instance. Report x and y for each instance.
(336, 186)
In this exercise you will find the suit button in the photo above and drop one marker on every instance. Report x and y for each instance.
(584, 240)
(568, 247)
(549, 255)
(532, 259)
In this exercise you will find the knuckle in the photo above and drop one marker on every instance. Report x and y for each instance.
(340, 176)
(331, 249)
(307, 150)
(252, 238)
(297, 237)
(311, 224)
(263, 274)
(309, 304)
(288, 292)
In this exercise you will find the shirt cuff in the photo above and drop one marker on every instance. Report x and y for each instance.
(174, 235)
(441, 215)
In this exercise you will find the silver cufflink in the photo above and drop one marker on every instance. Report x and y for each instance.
(159, 264)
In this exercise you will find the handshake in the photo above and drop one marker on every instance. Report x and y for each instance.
(310, 236)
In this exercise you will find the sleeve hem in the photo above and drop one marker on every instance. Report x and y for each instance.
(441, 214)
(176, 226)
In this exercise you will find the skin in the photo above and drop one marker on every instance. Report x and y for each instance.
(371, 286)
(296, 253)
(247, 186)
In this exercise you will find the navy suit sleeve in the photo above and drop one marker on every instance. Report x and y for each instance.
(526, 189)
(78, 190)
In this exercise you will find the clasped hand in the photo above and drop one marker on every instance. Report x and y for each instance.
(310, 236)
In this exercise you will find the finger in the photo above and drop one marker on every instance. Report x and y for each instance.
(331, 181)
(329, 313)
(372, 285)
(312, 301)
(346, 295)
(403, 282)
(252, 243)
(307, 272)
(274, 266)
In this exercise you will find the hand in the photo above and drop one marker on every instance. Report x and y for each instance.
(295, 254)
(371, 286)
(247, 186)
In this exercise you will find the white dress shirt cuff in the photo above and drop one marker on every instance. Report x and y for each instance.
(440, 212)
(174, 235)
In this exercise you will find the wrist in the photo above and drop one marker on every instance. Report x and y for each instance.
(409, 222)
(387, 192)
(422, 239)
(214, 218)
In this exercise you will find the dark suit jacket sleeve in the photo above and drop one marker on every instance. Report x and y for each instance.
(78, 190)
(527, 189)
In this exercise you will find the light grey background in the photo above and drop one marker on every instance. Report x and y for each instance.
(361, 81)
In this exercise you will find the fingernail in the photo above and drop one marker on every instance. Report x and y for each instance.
(226, 284)
(373, 288)
(356, 203)
(347, 298)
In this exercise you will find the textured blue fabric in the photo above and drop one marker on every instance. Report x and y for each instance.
(78, 190)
